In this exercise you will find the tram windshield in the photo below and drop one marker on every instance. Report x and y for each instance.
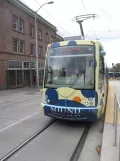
(70, 66)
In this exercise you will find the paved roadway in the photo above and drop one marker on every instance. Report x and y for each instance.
(18, 104)
(21, 117)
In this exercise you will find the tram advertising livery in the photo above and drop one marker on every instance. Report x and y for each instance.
(75, 84)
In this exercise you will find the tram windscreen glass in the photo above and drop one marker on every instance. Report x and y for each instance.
(70, 66)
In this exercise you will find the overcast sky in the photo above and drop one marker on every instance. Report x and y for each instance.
(107, 27)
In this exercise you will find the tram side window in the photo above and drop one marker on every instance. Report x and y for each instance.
(101, 72)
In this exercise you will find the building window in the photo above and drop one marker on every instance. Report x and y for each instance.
(32, 49)
(15, 23)
(32, 65)
(40, 34)
(47, 38)
(40, 51)
(31, 30)
(101, 72)
(18, 24)
(26, 65)
(42, 65)
(21, 25)
(52, 39)
(18, 46)
(14, 64)
(21, 47)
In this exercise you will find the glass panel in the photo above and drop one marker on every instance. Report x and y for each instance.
(21, 47)
(15, 23)
(19, 77)
(15, 46)
(21, 25)
(26, 64)
(71, 67)
(42, 65)
(47, 38)
(40, 34)
(40, 51)
(32, 65)
(12, 64)
(20, 64)
(15, 64)
(101, 71)
(31, 31)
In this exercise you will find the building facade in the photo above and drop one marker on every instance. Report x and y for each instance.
(17, 44)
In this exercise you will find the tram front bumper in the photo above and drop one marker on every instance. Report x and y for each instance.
(71, 113)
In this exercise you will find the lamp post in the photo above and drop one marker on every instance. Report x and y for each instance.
(36, 37)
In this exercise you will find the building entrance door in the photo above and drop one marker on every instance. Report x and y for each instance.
(27, 77)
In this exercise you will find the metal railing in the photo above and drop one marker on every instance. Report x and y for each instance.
(115, 121)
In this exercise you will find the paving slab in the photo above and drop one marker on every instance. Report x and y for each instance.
(110, 152)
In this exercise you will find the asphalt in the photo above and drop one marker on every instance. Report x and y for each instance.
(17, 104)
(57, 143)
(21, 116)
(17, 134)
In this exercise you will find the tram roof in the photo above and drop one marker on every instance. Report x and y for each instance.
(74, 43)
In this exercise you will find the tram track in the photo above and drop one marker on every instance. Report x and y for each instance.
(15, 150)
(79, 146)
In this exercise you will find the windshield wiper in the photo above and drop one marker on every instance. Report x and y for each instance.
(74, 82)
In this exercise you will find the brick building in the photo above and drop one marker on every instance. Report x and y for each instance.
(17, 43)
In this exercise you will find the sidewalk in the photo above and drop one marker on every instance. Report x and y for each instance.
(13, 95)
(109, 152)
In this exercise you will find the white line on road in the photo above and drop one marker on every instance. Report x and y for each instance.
(19, 121)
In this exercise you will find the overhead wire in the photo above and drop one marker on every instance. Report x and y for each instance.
(109, 38)
(117, 31)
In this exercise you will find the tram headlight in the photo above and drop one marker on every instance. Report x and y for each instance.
(90, 99)
(46, 99)
(86, 103)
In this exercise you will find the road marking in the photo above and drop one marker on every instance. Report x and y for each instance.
(19, 121)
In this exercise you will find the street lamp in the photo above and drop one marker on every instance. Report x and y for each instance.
(37, 70)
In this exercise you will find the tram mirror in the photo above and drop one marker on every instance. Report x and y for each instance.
(102, 53)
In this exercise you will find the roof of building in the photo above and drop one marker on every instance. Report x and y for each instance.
(59, 37)
(29, 11)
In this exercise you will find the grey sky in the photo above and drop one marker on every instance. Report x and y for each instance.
(107, 27)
